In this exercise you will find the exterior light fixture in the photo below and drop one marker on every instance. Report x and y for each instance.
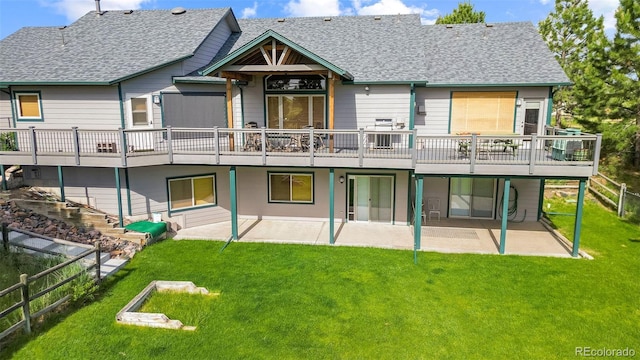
(156, 99)
(341, 179)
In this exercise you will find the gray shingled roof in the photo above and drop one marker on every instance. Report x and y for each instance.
(399, 49)
(105, 48)
(393, 48)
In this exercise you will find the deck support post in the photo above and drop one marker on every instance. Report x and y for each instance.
(61, 183)
(233, 194)
(4, 177)
(541, 199)
(578, 224)
(505, 214)
(119, 197)
(331, 205)
(417, 215)
(126, 183)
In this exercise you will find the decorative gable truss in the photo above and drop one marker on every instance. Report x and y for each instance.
(272, 53)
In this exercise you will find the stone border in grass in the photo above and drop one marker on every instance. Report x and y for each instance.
(129, 315)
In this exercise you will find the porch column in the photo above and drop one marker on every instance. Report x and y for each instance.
(119, 197)
(505, 214)
(60, 183)
(230, 112)
(578, 225)
(417, 215)
(4, 178)
(331, 206)
(541, 199)
(234, 206)
(331, 107)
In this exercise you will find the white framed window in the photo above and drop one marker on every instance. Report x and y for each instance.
(28, 105)
(191, 192)
(291, 187)
(140, 111)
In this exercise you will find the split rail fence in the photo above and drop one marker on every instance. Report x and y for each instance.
(25, 285)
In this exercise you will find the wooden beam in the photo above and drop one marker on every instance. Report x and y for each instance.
(266, 57)
(236, 76)
(274, 60)
(230, 113)
(331, 107)
(283, 56)
(275, 68)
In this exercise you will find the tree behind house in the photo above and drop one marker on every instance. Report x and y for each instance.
(463, 14)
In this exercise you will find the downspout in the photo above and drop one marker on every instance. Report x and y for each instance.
(412, 112)
(121, 106)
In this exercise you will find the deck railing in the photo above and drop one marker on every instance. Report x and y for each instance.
(167, 143)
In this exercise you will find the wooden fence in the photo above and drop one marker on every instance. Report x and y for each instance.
(616, 195)
(25, 284)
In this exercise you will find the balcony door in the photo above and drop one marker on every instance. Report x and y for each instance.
(370, 198)
(295, 111)
(472, 198)
(532, 117)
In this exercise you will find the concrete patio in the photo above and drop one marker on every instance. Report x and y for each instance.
(445, 236)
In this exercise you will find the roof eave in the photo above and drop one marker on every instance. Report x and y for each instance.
(498, 84)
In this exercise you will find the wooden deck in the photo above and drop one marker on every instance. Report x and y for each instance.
(575, 156)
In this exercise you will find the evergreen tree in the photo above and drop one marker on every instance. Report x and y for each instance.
(463, 14)
(624, 97)
(569, 32)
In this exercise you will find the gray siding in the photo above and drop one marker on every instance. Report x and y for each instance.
(95, 187)
(209, 48)
(254, 102)
(149, 194)
(88, 107)
(355, 108)
(6, 119)
(528, 197)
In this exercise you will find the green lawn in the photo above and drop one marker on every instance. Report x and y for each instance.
(317, 302)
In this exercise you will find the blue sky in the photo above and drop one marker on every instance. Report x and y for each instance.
(15, 14)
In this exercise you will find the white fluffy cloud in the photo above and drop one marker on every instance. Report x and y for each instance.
(313, 8)
(358, 7)
(73, 9)
(606, 8)
(545, 2)
(250, 11)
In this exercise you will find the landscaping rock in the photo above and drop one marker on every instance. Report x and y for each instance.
(25, 219)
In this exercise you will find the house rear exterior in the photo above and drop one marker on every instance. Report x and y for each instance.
(205, 118)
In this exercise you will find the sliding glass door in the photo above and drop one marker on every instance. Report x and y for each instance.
(472, 197)
(371, 198)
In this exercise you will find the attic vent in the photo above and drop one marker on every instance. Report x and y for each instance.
(281, 20)
(327, 19)
(488, 25)
(377, 17)
(178, 10)
(127, 12)
(449, 26)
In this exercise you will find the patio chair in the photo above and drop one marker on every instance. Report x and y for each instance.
(433, 205)
(424, 214)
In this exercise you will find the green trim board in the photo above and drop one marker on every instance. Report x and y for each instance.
(120, 98)
(16, 94)
(126, 182)
(119, 197)
(549, 105)
(4, 180)
(410, 177)
(515, 111)
(269, 34)
(60, 183)
(13, 108)
(197, 207)
(291, 201)
(497, 85)
(417, 83)
(541, 199)
(233, 198)
(331, 206)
